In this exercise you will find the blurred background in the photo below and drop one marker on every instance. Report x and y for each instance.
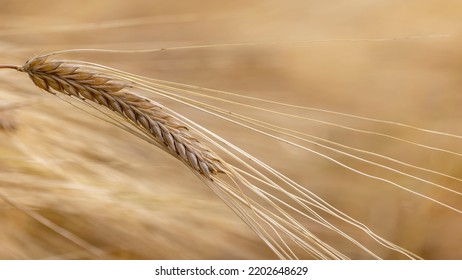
(111, 196)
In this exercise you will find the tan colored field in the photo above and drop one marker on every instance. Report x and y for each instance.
(110, 195)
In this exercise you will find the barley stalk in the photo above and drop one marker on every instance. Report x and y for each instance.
(270, 209)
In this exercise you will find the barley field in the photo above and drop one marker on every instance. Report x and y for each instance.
(376, 86)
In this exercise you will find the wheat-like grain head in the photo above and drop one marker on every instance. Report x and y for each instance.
(169, 132)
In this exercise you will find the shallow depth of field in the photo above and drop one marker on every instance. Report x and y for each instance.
(109, 195)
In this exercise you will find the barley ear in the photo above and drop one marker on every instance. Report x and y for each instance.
(115, 94)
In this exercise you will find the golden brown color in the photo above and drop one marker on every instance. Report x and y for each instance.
(169, 132)
(128, 199)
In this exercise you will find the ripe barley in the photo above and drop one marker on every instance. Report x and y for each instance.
(169, 132)
(278, 212)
